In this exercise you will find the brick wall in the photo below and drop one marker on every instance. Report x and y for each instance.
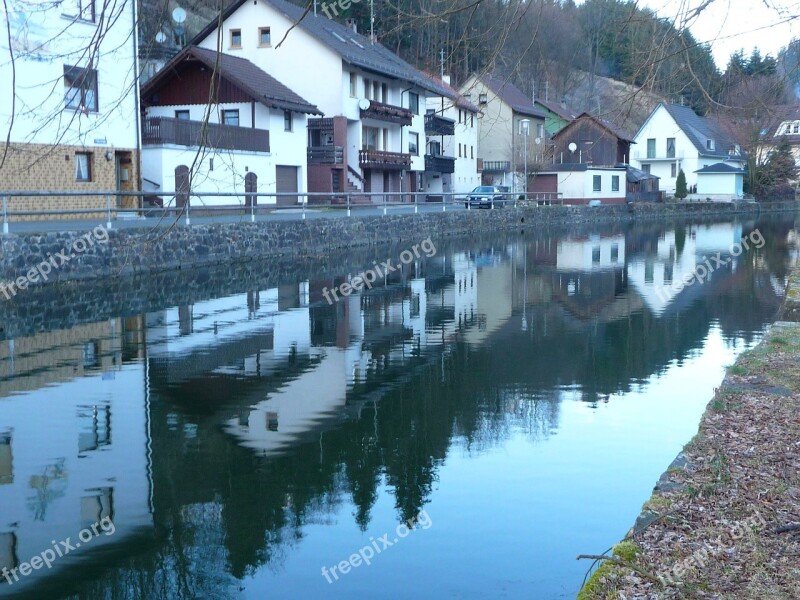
(40, 167)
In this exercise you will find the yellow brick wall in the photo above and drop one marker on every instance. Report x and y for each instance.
(40, 167)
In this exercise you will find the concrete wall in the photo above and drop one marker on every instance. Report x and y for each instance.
(577, 187)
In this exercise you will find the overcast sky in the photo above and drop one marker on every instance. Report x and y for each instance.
(732, 24)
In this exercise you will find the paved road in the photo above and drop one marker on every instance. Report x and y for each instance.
(129, 222)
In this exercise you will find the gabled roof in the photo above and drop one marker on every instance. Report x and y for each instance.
(562, 111)
(511, 95)
(259, 85)
(617, 133)
(775, 117)
(720, 168)
(699, 129)
(458, 99)
(354, 48)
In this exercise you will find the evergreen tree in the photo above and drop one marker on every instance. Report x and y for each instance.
(681, 190)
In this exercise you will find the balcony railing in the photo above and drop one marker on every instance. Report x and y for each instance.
(378, 159)
(325, 155)
(437, 125)
(387, 112)
(440, 164)
(182, 132)
(644, 156)
(496, 166)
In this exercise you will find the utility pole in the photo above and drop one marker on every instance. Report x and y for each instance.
(546, 90)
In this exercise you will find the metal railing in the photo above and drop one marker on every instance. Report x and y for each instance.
(210, 207)
(325, 155)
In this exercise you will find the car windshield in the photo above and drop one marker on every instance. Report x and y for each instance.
(483, 189)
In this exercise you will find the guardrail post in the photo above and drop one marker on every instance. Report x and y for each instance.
(416, 203)
(444, 204)
(108, 211)
(348, 205)
(188, 202)
(252, 209)
(5, 215)
(305, 198)
(384, 204)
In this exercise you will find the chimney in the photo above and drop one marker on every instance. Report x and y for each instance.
(351, 23)
(446, 79)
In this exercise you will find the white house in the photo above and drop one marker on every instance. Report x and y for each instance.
(256, 126)
(675, 138)
(583, 183)
(372, 135)
(69, 100)
(502, 132)
(451, 132)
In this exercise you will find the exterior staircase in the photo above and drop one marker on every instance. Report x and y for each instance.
(355, 184)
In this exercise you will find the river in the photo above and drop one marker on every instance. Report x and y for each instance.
(514, 396)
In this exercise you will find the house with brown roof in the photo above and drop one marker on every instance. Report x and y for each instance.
(511, 130)
(226, 125)
(370, 136)
(558, 115)
(591, 140)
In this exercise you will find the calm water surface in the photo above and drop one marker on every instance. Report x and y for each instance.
(524, 393)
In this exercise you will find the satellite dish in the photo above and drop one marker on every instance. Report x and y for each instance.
(363, 104)
(160, 37)
(538, 140)
(179, 15)
(572, 147)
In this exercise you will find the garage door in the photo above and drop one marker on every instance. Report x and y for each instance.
(286, 182)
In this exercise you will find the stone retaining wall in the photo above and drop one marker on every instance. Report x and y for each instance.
(132, 251)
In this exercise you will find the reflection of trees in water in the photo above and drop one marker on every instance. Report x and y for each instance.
(224, 512)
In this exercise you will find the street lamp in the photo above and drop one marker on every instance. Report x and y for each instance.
(524, 129)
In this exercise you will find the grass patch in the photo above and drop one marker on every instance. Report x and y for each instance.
(597, 587)
(737, 370)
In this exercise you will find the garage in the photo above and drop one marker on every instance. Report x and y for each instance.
(285, 183)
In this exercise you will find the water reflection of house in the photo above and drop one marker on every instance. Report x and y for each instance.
(673, 256)
(74, 453)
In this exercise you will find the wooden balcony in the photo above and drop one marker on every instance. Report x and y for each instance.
(182, 132)
(438, 125)
(496, 166)
(436, 163)
(325, 155)
(388, 161)
(387, 112)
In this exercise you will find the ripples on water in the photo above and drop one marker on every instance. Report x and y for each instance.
(525, 392)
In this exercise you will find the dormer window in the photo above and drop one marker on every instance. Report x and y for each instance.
(709, 144)
(796, 128)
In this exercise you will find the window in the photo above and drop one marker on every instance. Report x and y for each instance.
(183, 115)
(472, 120)
(369, 138)
(796, 128)
(670, 147)
(413, 102)
(651, 148)
(413, 144)
(540, 130)
(80, 88)
(287, 120)
(81, 9)
(272, 421)
(264, 38)
(435, 148)
(367, 89)
(596, 254)
(230, 117)
(384, 93)
(6, 461)
(83, 166)
(472, 152)
(236, 38)
(615, 183)
(353, 85)
(709, 144)
(482, 99)
(614, 253)
(459, 116)
(459, 151)
(646, 168)
(674, 170)
(597, 185)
